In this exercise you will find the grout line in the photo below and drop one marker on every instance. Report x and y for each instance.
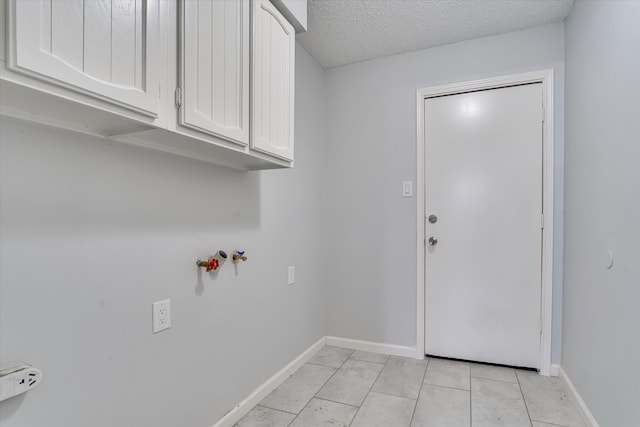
(274, 409)
(471, 400)
(326, 366)
(320, 388)
(333, 401)
(447, 386)
(368, 361)
(290, 422)
(524, 400)
(413, 414)
(493, 379)
(395, 395)
(325, 383)
(369, 392)
(551, 424)
(362, 360)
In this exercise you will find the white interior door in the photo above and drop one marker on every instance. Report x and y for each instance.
(484, 184)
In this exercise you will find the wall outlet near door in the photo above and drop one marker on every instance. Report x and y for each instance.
(291, 275)
(161, 315)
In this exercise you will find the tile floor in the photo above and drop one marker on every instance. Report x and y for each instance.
(341, 387)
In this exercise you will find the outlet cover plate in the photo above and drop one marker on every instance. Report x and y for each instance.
(161, 315)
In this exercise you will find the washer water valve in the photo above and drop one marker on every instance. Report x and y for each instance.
(213, 263)
(17, 379)
(238, 255)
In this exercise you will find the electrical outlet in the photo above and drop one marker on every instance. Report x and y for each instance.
(161, 315)
(292, 275)
(19, 382)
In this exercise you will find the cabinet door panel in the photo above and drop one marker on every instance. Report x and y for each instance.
(97, 41)
(104, 48)
(273, 81)
(215, 68)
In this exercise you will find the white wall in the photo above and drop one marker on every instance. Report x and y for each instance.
(601, 338)
(371, 146)
(93, 232)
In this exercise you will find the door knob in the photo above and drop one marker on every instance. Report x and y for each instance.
(433, 241)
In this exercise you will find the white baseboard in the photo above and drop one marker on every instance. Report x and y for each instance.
(586, 414)
(374, 347)
(554, 371)
(268, 386)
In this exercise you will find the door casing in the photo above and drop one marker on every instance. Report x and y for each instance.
(546, 78)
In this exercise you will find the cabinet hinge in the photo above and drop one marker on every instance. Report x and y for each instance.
(542, 221)
(178, 97)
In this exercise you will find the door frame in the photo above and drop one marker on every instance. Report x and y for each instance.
(546, 78)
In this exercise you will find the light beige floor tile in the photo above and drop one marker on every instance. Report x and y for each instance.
(367, 356)
(265, 417)
(497, 373)
(351, 383)
(448, 373)
(320, 413)
(548, 400)
(442, 407)
(497, 404)
(383, 410)
(401, 376)
(293, 394)
(331, 356)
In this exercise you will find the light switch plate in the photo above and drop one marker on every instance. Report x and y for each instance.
(407, 188)
(292, 275)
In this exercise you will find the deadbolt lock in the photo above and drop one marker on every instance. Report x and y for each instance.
(433, 219)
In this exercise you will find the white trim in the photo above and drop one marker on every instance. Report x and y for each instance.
(394, 350)
(588, 418)
(555, 370)
(546, 78)
(242, 408)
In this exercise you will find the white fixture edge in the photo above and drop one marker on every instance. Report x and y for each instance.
(587, 416)
(242, 408)
(374, 347)
(546, 78)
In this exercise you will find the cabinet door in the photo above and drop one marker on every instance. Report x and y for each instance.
(106, 49)
(273, 43)
(215, 67)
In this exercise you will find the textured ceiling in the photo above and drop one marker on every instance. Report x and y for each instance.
(346, 31)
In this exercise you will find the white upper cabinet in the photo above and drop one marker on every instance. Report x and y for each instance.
(106, 49)
(206, 79)
(295, 11)
(214, 65)
(273, 43)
